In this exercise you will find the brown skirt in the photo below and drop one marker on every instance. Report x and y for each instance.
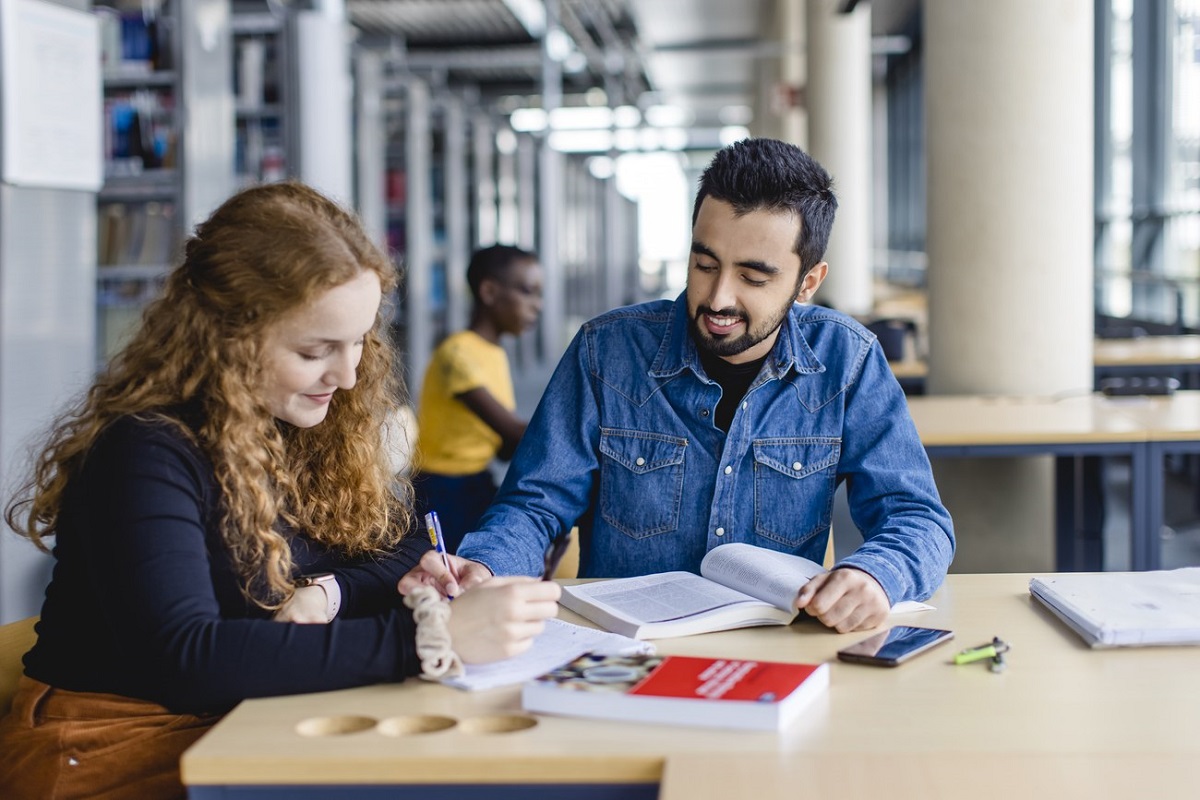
(60, 744)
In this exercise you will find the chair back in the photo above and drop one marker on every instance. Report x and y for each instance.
(16, 638)
(893, 335)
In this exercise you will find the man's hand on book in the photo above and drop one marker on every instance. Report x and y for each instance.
(845, 599)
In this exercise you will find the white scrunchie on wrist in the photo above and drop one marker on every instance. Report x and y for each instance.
(432, 613)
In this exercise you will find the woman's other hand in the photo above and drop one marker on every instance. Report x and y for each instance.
(499, 618)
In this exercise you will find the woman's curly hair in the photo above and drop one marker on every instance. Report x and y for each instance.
(267, 252)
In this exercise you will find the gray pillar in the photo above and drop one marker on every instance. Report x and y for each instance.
(1009, 241)
(839, 136)
(549, 202)
(418, 260)
(457, 210)
(793, 120)
(371, 144)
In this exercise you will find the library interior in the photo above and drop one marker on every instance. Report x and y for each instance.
(1018, 223)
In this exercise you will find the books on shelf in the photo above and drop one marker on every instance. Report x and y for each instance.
(739, 586)
(1126, 609)
(137, 234)
(679, 690)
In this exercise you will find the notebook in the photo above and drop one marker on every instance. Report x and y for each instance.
(1126, 609)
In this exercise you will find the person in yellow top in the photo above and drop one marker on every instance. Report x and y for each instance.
(467, 413)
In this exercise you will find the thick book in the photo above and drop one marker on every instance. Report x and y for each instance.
(739, 586)
(1126, 609)
(679, 690)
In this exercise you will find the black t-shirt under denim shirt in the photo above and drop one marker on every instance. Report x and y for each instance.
(734, 380)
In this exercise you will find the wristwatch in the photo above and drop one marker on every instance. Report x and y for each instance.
(329, 585)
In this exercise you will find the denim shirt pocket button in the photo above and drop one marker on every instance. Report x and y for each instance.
(794, 481)
(646, 466)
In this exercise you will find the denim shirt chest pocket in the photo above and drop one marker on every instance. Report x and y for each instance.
(794, 481)
(641, 481)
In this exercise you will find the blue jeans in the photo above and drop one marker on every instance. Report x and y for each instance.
(459, 501)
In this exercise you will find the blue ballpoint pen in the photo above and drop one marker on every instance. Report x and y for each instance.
(439, 543)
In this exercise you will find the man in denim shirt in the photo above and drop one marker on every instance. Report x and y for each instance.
(728, 415)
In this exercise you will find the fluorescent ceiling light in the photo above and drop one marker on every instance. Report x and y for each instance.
(531, 14)
(575, 118)
(581, 141)
(627, 117)
(601, 167)
(528, 120)
(668, 117)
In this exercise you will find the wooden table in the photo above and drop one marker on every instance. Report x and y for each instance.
(1147, 356)
(1068, 428)
(1177, 356)
(914, 731)
(1172, 425)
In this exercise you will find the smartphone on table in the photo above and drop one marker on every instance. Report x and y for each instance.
(894, 646)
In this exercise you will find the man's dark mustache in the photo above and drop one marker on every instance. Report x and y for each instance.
(725, 312)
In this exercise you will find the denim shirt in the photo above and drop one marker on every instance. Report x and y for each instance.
(623, 443)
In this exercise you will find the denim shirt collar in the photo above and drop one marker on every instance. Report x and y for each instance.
(677, 351)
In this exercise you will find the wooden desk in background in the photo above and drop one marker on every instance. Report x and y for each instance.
(1146, 356)
(1158, 356)
(1061, 721)
(974, 426)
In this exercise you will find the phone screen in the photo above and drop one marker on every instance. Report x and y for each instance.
(894, 646)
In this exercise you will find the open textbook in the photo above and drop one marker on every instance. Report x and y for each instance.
(1126, 609)
(740, 586)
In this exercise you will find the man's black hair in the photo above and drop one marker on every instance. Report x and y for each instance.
(493, 262)
(768, 174)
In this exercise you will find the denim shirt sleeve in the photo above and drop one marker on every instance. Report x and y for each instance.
(908, 535)
(550, 479)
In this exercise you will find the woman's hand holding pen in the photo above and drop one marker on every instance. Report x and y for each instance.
(500, 618)
(462, 575)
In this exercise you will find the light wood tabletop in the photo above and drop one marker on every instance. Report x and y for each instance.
(978, 776)
(1147, 350)
(1174, 417)
(952, 420)
(1056, 699)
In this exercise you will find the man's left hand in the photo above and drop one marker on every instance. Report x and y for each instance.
(845, 599)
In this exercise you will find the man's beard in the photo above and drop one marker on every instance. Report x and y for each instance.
(725, 346)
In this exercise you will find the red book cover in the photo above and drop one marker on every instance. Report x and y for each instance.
(723, 679)
(682, 690)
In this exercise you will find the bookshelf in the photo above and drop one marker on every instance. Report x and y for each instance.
(165, 68)
(264, 150)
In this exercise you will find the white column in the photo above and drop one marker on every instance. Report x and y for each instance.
(839, 136)
(1009, 139)
(1010, 195)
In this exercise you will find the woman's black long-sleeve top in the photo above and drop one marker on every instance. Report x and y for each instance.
(144, 601)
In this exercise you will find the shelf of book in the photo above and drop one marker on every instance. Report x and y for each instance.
(263, 148)
(137, 221)
(156, 62)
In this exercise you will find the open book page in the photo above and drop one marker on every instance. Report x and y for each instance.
(771, 576)
(559, 643)
(660, 597)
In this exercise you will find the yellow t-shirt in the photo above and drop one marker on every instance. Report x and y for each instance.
(451, 439)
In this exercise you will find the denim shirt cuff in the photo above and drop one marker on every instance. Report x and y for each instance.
(883, 571)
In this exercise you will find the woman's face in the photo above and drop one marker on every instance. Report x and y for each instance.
(313, 352)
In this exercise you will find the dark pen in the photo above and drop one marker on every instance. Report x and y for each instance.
(554, 554)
